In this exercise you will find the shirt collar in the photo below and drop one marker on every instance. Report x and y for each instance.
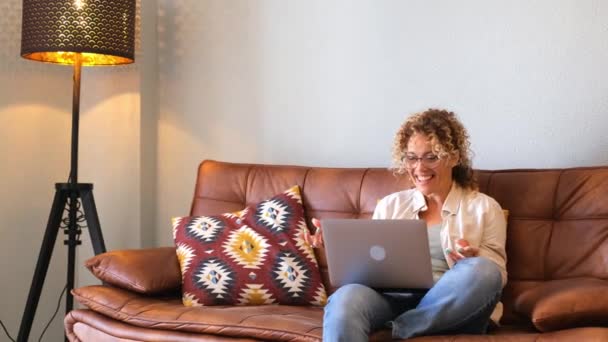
(450, 206)
(452, 202)
(419, 202)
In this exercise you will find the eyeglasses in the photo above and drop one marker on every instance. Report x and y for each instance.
(428, 160)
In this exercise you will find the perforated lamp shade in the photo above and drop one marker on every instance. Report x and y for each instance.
(102, 31)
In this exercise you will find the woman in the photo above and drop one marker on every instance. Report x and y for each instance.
(467, 232)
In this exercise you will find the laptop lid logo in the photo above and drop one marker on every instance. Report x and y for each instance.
(377, 253)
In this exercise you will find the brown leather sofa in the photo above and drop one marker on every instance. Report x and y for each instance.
(557, 249)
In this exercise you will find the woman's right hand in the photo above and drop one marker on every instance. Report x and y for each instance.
(463, 250)
(315, 240)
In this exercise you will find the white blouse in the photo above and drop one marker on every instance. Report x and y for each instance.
(466, 214)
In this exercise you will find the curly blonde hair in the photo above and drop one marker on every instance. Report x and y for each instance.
(448, 137)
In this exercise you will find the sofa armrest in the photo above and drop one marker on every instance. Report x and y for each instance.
(565, 303)
(147, 271)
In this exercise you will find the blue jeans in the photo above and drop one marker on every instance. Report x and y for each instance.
(461, 302)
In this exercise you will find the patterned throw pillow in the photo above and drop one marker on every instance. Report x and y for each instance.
(252, 257)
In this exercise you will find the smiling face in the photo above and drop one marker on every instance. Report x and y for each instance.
(431, 177)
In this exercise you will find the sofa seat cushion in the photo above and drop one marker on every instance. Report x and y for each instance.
(87, 325)
(509, 334)
(565, 303)
(266, 322)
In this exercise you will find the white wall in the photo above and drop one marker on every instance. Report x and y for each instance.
(35, 121)
(321, 82)
(148, 145)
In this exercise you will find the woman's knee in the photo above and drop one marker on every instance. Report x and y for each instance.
(354, 310)
(346, 318)
(351, 296)
(345, 307)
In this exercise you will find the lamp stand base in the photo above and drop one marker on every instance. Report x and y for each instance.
(66, 200)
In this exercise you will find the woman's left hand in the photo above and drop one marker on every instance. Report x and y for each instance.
(463, 250)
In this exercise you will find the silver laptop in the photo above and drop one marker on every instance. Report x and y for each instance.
(385, 254)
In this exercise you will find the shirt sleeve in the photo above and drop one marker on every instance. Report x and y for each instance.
(494, 237)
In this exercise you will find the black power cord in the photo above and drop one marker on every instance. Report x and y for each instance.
(6, 331)
(55, 313)
(47, 325)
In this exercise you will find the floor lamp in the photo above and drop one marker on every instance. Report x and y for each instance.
(78, 33)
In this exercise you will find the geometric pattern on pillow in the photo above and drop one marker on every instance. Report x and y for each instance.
(255, 256)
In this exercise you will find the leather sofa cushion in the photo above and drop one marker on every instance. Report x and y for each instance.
(84, 325)
(264, 322)
(146, 271)
(566, 303)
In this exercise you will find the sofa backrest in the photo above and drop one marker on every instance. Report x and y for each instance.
(557, 226)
